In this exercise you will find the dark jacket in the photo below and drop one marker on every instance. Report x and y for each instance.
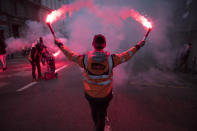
(36, 52)
(2, 47)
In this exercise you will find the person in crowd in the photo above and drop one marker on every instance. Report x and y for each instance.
(3, 52)
(194, 64)
(35, 56)
(98, 67)
(185, 58)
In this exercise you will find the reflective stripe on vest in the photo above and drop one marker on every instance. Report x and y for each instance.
(86, 61)
(100, 83)
(130, 53)
(122, 59)
(66, 52)
(110, 62)
(75, 58)
(98, 77)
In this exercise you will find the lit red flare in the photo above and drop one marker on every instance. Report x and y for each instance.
(61, 13)
(69, 8)
(140, 18)
(53, 16)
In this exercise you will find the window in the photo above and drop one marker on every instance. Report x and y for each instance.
(0, 4)
(15, 30)
(15, 8)
(2, 34)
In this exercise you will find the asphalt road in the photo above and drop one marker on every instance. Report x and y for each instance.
(59, 104)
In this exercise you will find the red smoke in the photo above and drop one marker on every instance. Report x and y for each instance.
(141, 19)
(136, 16)
(68, 9)
(61, 12)
(53, 16)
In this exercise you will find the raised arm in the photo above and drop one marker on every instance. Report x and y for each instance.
(125, 56)
(71, 55)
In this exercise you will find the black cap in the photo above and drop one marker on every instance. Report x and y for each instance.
(99, 42)
(41, 40)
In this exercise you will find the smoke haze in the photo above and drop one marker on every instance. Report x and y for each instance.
(109, 18)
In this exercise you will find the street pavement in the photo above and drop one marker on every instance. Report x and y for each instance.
(59, 104)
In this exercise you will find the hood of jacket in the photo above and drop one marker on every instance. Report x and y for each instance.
(99, 56)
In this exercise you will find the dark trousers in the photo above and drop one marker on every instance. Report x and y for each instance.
(34, 65)
(183, 65)
(99, 110)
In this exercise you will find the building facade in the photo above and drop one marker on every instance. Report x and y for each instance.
(14, 13)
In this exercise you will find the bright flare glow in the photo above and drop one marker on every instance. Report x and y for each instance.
(66, 9)
(53, 16)
(141, 19)
(61, 13)
(57, 53)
